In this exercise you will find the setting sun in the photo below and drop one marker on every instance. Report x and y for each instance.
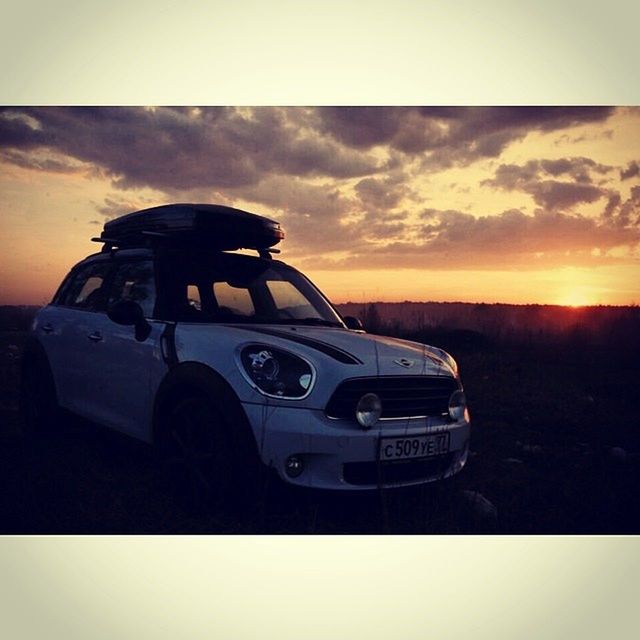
(578, 297)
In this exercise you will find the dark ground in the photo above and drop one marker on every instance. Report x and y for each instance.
(555, 449)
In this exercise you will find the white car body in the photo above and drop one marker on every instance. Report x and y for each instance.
(105, 373)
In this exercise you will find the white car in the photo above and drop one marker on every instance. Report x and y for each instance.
(228, 360)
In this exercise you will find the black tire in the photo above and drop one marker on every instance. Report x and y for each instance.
(199, 455)
(38, 398)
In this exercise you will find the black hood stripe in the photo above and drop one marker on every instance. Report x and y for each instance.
(328, 349)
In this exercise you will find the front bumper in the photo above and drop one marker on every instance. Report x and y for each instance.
(338, 454)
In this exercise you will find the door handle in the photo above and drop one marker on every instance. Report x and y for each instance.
(96, 336)
(47, 328)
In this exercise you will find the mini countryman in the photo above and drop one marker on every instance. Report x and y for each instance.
(232, 363)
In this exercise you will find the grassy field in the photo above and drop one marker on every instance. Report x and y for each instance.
(555, 445)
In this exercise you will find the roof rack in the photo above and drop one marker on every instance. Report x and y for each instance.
(207, 226)
(111, 245)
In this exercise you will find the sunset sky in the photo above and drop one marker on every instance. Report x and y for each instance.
(478, 204)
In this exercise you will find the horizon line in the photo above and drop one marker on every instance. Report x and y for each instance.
(366, 302)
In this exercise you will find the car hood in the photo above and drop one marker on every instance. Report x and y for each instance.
(385, 355)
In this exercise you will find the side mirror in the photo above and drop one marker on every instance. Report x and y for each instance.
(353, 323)
(126, 312)
(130, 313)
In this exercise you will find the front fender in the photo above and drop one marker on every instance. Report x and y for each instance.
(189, 378)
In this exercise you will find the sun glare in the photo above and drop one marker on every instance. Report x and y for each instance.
(576, 298)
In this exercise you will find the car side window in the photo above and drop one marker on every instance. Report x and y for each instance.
(134, 281)
(86, 288)
(234, 299)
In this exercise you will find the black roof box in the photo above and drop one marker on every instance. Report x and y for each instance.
(212, 226)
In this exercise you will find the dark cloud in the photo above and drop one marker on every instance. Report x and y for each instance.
(555, 195)
(181, 149)
(629, 213)
(483, 120)
(340, 178)
(449, 135)
(612, 204)
(20, 131)
(632, 170)
(381, 194)
(579, 169)
(532, 178)
(186, 148)
(514, 176)
(362, 127)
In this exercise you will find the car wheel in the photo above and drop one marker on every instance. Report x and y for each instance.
(198, 454)
(38, 401)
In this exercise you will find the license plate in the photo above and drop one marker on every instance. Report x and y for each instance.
(414, 446)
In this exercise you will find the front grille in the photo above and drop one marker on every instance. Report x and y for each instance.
(397, 472)
(401, 396)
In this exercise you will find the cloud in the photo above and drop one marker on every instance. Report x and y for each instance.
(346, 182)
(182, 149)
(361, 127)
(115, 206)
(629, 212)
(451, 239)
(449, 135)
(297, 197)
(514, 232)
(632, 170)
(579, 169)
(612, 204)
(513, 176)
(491, 119)
(555, 195)
(19, 130)
(382, 194)
(311, 214)
(185, 148)
(532, 178)
(38, 162)
(320, 219)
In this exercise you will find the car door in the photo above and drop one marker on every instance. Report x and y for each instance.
(124, 366)
(66, 328)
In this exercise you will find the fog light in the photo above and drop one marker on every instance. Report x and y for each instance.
(293, 466)
(458, 406)
(368, 410)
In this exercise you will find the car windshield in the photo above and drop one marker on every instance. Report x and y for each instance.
(237, 288)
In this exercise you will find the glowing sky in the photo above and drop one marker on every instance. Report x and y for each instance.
(520, 204)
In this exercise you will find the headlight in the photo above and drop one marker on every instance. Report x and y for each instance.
(443, 355)
(368, 410)
(277, 373)
(458, 406)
